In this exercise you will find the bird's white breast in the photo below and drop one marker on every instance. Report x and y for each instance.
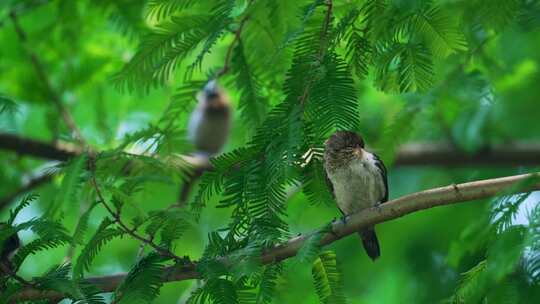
(359, 185)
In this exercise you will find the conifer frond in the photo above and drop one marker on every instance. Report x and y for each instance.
(415, 68)
(219, 23)
(439, 30)
(471, 286)
(251, 104)
(505, 210)
(72, 180)
(25, 201)
(82, 226)
(332, 103)
(222, 291)
(267, 283)
(311, 248)
(161, 51)
(39, 245)
(103, 235)
(181, 103)
(162, 9)
(57, 278)
(315, 185)
(327, 279)
(498, 14)
(359, 53)
(143, 282)
(7, 105)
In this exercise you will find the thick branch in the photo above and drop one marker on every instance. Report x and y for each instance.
(39, 149)
(416, 154)
(393, 209)
(515, 154)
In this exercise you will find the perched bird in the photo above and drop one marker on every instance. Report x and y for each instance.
(357, 179)
(210, 122)
(9, 248)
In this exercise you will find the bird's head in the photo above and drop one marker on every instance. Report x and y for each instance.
(212, 96)
(344, 145)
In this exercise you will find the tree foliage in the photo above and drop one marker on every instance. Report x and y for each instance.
(296, 71)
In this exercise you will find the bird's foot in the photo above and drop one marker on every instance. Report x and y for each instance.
(378, 206)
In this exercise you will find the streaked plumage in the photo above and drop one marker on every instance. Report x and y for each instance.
(357, 179)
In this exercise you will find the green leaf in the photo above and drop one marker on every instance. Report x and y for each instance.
(25, 201)
(82, 226)
(72, 180)
(7, 105)
(103, 235)
(143, 282)
(327, 279)
(440, 31)
(162, 9)
(251, 104)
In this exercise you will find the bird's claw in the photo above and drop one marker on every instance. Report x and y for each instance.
(378, 206)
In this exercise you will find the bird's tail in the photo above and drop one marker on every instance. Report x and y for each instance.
(370, 242)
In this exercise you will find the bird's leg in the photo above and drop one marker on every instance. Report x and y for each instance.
(378, 206)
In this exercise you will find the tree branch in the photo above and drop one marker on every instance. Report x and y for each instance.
(393, 209)
(237, 36)
(42, 75)
(36, 148)
(412, 154)
(442, 154)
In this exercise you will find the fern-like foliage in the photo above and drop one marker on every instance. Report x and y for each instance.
(509, 248)
(439, 30)
(7, 105)
(161, 9)
(252, 105)
(103, 235)
(143, 282)
(162, 51)
(25, 201)
(327, 279)
(72, 180)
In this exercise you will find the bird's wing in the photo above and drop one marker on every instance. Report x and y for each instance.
(382, 170)
(329, 183)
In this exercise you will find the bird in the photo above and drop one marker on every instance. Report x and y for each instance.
(357, 180)
(9, 248)
(210, 122)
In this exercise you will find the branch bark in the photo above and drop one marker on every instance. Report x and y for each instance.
(412, 154)
(393, 209)
(36, 148)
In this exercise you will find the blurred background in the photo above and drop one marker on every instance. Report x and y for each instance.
(481, 106)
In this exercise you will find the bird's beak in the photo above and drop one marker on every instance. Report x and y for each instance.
(358, 152)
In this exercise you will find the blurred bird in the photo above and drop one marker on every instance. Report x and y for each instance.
(8, 249)
(210, 122)
(357, 180)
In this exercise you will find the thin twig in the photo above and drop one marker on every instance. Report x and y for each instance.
(237, 37)
(322, 49)
(42, 75)
(125, 228)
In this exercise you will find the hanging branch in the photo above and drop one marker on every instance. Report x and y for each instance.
(43, 77)
(130, 231)
(237, 36)
(452, 194)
